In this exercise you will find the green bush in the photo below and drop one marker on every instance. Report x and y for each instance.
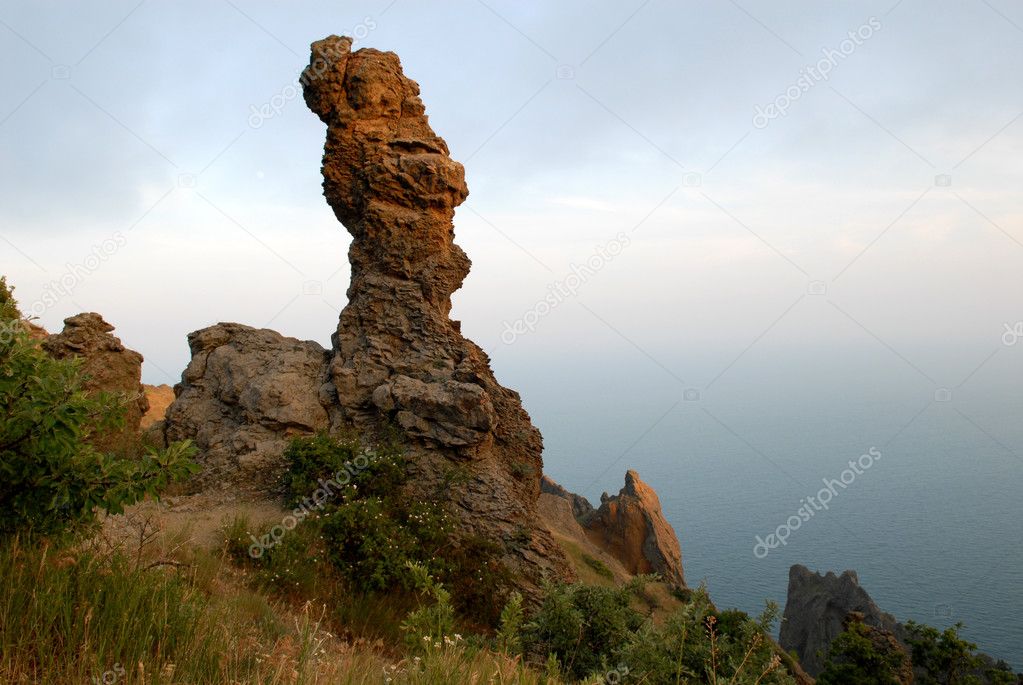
(935, 658)
(696, 643)
(372, 529)
(944, 658)
(51, 478)
(855, 658)
(582, 626)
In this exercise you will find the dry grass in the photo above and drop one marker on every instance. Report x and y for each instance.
(153, 608)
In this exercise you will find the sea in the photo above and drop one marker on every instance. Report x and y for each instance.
(933, 526)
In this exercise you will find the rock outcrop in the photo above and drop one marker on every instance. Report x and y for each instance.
(397, 359)
(244, 394)
(632, 527)
(629, 526)
(159, 398)
(581, 508)
(108, 366)
(816, 610)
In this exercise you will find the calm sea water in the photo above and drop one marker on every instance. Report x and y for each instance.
(934, 528)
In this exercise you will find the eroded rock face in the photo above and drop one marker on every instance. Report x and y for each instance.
(244, 394)
(582, 510)
(398, 359)
(108, 366)
(159, 398)
(632, 526)
(817, 608)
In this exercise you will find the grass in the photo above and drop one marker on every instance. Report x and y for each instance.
(172, 613)
(599, 566)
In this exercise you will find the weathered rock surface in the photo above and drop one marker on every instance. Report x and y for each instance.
(108, 366)
(244, 394)
(159, 398)
(580, 506)
(632, 527)
(816, 609)
(398, 359)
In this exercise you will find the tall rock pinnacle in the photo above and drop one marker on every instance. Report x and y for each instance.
(398, 359)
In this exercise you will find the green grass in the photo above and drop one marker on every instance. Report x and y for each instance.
(599, 566)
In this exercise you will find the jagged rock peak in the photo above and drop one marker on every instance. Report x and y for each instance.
(386, 174)
(632, 525)
(582, 510)
(816, 610)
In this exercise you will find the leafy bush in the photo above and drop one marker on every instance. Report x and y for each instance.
(372, 530)
(936, 658)
(582, 626)
(944, 658)
(434, 621)
(509, 638)
(698, 644)
(855, 658)
(51, 478)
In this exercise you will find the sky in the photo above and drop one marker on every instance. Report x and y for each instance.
(722, 242)
(678, 189)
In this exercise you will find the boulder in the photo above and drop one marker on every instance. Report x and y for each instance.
(108, 366)
(243, 396)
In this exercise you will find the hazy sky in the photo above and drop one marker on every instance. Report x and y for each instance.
(879, 211)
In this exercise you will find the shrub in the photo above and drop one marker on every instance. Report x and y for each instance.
(698, 644)
(372, 530)
(51, 478)
(509, 639)
(944, 658)
(854, 658)
(433, 622)
(582, 626)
